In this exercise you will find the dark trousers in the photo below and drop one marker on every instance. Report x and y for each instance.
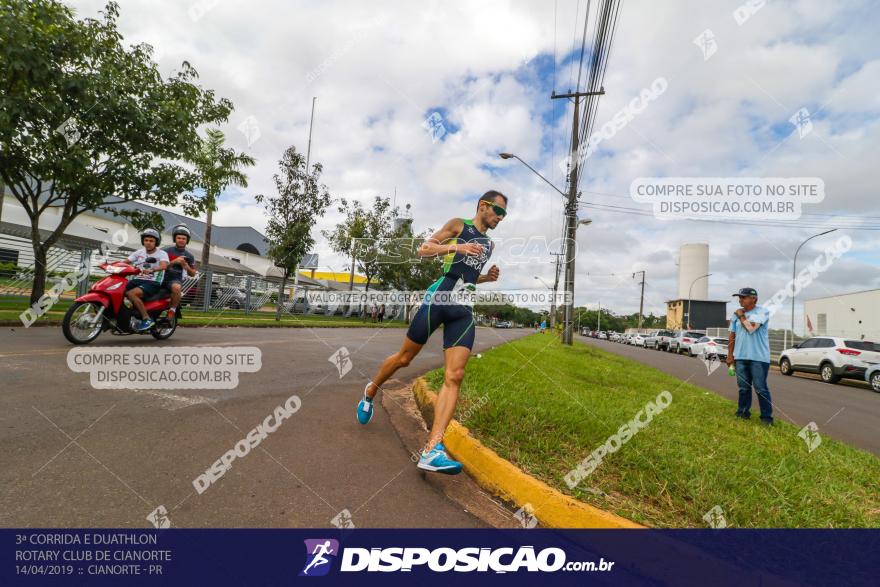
(749, 374)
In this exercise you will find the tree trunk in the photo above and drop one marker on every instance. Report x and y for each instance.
(281, 296)
(38, 288)
(206, 246)
(203, 264)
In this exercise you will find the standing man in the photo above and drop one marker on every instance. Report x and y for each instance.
(749, 346)
(466, 249)
(152, 261)
(180, 260)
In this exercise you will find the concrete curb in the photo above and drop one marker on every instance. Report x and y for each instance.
(501, 477)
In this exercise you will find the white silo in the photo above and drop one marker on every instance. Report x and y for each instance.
(693, 264)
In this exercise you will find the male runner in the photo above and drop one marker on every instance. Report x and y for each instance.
(466, 248)
(180, 260)
(149, 280)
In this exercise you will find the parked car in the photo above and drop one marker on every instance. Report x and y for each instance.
(872, 376)
(615, 337)
(585, 331)
(833, 358)
(709, 347)
(638, 339)
(660, 340)
(503, 325)
(683, 340)
(232, 297)
(602, 335)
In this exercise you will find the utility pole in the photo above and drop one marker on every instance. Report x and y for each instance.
(555, 290)
(642, 301)
(571, 209)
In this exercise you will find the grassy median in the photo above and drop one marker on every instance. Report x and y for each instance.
(545, 407)
(12, 306)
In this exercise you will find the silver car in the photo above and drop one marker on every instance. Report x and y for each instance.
(683, 340)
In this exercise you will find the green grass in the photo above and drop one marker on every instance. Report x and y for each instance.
(545, 407)
(12, 306)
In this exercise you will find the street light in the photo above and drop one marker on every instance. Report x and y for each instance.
(544, 282)
(512, 156)
(690, 289)
(793, 265)
(571, 229)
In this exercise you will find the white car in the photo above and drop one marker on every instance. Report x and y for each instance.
(709, 347)
(638, 339)
(833, 358)
(602, 335)
(683, 340)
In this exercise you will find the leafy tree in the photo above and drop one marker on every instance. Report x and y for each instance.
(400, 266)
(363, 233)
(301, 200)
(217, 167)
(83, 119)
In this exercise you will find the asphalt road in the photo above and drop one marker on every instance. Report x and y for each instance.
(76, 456)
(848, 411)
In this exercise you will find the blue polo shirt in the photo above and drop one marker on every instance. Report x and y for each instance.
(751, 346)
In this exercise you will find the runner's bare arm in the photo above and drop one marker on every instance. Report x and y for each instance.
(491, 275)
(438, 244)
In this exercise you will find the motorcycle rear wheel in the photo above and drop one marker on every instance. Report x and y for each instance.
(164, 328)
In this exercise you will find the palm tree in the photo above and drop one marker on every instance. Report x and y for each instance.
(218, 167)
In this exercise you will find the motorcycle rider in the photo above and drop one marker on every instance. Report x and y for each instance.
(180, 260)
(152, 273)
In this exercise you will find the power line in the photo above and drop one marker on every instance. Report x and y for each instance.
(771, 223)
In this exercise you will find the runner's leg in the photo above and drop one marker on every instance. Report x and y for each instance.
(455, 358)
(401, 358)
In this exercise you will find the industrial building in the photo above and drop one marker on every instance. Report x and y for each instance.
(693, 308)
(850, 315)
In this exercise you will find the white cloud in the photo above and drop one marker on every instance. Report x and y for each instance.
(376, 80)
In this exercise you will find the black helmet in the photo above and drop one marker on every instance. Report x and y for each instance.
(181, 229)
(153, 233)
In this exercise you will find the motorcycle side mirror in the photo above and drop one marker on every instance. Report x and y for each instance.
(150, 260)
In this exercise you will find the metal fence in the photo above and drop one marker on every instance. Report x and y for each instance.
(208, 291)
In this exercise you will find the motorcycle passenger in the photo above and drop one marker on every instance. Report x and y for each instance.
(180, 260)
(149, 281)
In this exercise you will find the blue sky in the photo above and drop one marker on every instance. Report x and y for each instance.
(380, 69)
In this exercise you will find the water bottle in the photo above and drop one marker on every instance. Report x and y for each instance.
(731, 371)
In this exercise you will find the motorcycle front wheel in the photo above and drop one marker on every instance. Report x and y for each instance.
(79, 325)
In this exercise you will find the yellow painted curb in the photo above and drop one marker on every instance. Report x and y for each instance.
(552, 508)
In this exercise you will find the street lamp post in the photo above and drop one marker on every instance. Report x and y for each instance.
(690, 289)
(793, 269)
(571, 229)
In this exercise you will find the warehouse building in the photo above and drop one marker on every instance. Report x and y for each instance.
(851, 315)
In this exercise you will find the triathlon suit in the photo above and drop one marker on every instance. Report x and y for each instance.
(442, 303)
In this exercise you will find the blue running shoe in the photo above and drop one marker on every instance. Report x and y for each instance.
(365, 410)
(438, 462)
(145, 325)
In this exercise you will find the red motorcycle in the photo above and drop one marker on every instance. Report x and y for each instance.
(105, 307)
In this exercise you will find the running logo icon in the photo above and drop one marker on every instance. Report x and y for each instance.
(320, 553)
